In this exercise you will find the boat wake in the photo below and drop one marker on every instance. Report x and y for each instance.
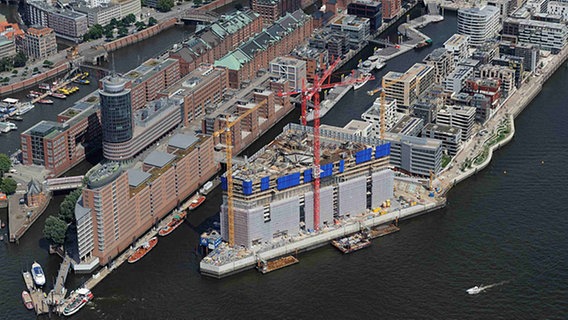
(481, 288)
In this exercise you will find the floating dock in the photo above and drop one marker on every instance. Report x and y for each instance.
(266, 267)
(352, 243)
(383, 231)
(39, 298)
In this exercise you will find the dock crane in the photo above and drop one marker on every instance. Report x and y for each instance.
(229, 172)
(309, 94)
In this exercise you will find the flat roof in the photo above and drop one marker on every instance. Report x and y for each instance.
(137, 177)
(182, 141)
(159, 159)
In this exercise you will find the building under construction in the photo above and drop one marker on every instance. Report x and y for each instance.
(273, 190)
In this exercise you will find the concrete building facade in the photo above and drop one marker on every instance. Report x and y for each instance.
(442, 62)
(391, 8)
(480, 24)
(40, 42)
(462, 117)
(291, 69)
(406, 87)
(414, 155)
(450, 137)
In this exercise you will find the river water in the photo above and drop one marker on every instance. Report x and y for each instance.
(497, 228)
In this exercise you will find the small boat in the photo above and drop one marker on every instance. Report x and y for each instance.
(142, 250)
(24, 108)
(32, 96)
(58, 95)
(2, 224)
(37, 93)
(475, 290)
(45, 101)
(207, 187)
(7, 126)
(196, 201)
(16, 118)
(177, 220)
(79, 300)
(355, 242)
(27, 299)
(37, 274)
(365, 77)
(44, 86)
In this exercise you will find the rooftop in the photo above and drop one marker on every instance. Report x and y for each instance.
(457, 40)
(442, 128)
(292, 151)
(183, 141)
(158, 159)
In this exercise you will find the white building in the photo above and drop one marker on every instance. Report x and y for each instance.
(558, 8)
(450, 136)
(457, 116)
(480, 24)
(373, 116)
(291, 69)
(442, 62)
(406, 87)
(455, 81)
(415, 155)
(547, 35)
(356, 28)
(457, 45)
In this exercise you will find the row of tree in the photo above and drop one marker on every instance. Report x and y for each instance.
(56, 226)
(7, 185)
(97, 31)
(17, 61)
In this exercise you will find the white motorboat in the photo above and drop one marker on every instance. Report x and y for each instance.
(37, 274)
(366, 77)
(475, 290)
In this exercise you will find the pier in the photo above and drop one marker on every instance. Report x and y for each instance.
(38, 296)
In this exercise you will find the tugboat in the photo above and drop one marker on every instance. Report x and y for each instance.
(27, 299)
(143, 249)
(82, 296)
(177, 220)
(37, 274)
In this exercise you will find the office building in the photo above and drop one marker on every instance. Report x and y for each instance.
(367, 9)
(58, 146)
(356, 29)
(505, 75)
(373, 116)
(291, 69)
(272, 10)
(40, 42)
(103, 13)
(461, 117)
(414, 155)
(67, 24)
(391, 8)
(529, 52)
(122, 201)
(449, 136)
(515, 63)
(547, 35)
(406, 87)
(425, 110)
(458, 45)
(273, 192)
(456, 80)
(7, 47)
(480, 24)
(316, 60)
(442, 62)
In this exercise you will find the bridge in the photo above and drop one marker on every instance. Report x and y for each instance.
(199, 17)
(65, 183)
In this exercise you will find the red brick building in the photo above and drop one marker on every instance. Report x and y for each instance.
(391, 8)
(217, 40)
(255, 54)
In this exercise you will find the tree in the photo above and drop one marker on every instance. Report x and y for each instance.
(197, 3)
(140, 25)
(6, 64)
(131, 18)
(54, 230)
(165, 5)
(239, 7)
(122, 31)
(152, 21)
(20, 59)
(67, 207)
(109, 33)
(5, 163)
(8, 185)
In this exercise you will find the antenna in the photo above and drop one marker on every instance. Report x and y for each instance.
(113, 71)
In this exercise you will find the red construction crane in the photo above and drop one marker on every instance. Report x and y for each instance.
(308, 94)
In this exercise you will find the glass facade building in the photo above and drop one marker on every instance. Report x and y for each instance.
(116, 110)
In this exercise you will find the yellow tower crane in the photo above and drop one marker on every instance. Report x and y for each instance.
(229, 173)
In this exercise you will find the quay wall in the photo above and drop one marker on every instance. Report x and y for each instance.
(139, 36)
(316, 241)
(35, 80)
